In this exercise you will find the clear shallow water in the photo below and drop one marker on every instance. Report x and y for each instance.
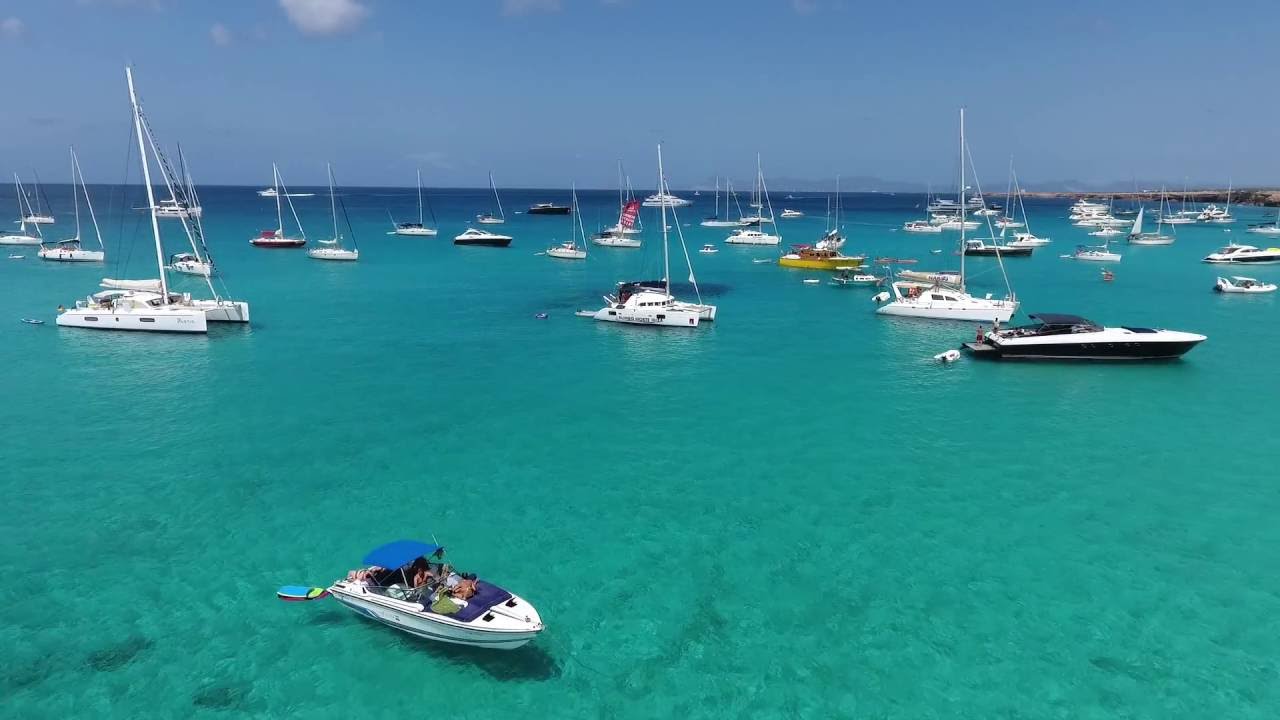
(793, 512)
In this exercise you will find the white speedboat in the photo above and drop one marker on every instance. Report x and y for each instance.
(1027, 240)
(666, 199)
(1237, 284)
(416, 229)
(788, 213)
(1244, 255)
(473, 236)
(709, 249)
(1107, 232)
(1100, 253)
(489, 617)
(1070, 337)
(752, 236)
(921, 226)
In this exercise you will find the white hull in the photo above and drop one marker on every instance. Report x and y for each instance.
(753, 238)
(170, 318)
(567, 254)
(192, 267)
(236, 311)
(921, 227)
(19, 240)
(671, 201)
(660, 316)
(502, 632)
(56, 255)
(619, 230)
(979, 311)
(340, 254)
(178, 213)
(720, 223)
(1265, 230)
(415, 232)
(1153, 240)
(38, 219)
(616, 242)
(1097, 256)
(490, 221)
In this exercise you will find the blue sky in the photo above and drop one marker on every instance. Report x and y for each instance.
(545, 92)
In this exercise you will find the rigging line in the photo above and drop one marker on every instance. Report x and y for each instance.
(978, 184)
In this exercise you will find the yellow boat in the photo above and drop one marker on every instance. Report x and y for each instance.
(810, 258)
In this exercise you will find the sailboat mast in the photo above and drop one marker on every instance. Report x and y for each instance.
(75, 162)
(666, 254)
(333, 202)
(275, 180)
(146, 181)
(75, 196)
(962, 201)
(335, 217)
(496, 199)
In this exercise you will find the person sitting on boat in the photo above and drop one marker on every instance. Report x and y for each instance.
(423, 577)
(365, 575)
(466, 588)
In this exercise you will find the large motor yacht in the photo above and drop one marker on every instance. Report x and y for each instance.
(1071, 337)
(1244, 255)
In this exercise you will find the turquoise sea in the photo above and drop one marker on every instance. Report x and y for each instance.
(792, 512)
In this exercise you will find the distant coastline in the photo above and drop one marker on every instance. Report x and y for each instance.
(1239, 196)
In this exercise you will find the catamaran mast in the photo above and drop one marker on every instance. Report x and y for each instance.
(146, 181)
(666, 255)
(962, 202)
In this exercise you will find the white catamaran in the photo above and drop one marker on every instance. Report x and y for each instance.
(944, 301)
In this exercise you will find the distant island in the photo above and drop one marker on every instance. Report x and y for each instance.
(1239, 196)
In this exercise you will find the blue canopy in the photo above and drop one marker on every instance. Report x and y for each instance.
(399, 553)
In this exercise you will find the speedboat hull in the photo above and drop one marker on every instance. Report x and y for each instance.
(233, 311)
(505, 626)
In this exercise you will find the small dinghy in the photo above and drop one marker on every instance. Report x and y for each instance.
(811, 281)
(541, 316)
(16, 257)
(708, 249)
(949, 356)
(32, 321)
(1238, 284)
(585, 313)
(761, 261)
(851, 279)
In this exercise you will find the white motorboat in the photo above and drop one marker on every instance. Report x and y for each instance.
(172, 208)
(490, 218)
(1244, 255)
(416, 229)
(473, 236)
(787, 213)
(451, 609)
(921, 226)
(190, 264)
(952, 301)
(274, 192)
(1106, 232)
(752, 236)
(72, 249)
(1070, 337)
(666, 199)
(651, 302)
(333, 249)
(1238, 284)
(274, 239)
(1100, 253)
(1265, 228)
(1027, 240)
(571, 249)
(709, 249)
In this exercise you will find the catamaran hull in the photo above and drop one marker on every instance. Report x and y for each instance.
(667, 317)
(234, 311)
(174, 320)
(942, 312)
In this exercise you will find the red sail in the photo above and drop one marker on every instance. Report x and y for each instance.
(629, 213)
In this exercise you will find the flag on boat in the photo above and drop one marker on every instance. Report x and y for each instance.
(629, 213)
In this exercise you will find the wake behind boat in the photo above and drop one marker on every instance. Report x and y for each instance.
(407, 585)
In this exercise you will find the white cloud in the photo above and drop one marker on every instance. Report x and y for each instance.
(12, 28)
(220, 35)
(529, 7)
(325, 17)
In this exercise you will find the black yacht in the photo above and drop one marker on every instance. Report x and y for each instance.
(548, 209)
(1071, 337)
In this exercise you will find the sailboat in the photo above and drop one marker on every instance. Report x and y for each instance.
(277, 238)
(37, 215)
(1137, 237)
(651, 302)
(71, 250)
(751, 232)
(1024, 238)
(716, 220)
(173, 207)
(138, 310)
(332, 249)
(412, 228)
(21, 237)
(185, 206)
(489, 218)
(570, 249)
(944, 301)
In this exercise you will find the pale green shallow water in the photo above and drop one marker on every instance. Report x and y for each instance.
(708, 528)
